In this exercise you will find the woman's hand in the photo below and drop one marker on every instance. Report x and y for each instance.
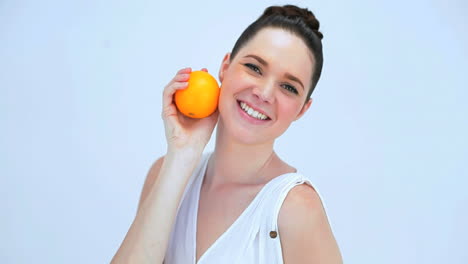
(182, 131)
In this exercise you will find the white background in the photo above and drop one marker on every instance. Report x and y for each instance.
(385, 140)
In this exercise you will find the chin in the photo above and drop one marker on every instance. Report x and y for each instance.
(241, 134)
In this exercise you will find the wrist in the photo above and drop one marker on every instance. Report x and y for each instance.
(185, 151)
(185, 154)
(180, 163)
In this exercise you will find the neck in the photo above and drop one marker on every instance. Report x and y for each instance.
(237, 163)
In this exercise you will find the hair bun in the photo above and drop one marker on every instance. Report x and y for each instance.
(294, 12)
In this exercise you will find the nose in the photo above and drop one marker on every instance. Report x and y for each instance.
(265, 92)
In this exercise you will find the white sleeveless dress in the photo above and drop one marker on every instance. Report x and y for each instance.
(248, 240)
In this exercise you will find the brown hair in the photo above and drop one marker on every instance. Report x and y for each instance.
(299, 21)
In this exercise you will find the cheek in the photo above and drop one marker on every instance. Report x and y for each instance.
(229, 88)
(235, 81)
(288, 109)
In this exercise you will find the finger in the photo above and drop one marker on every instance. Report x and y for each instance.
(169, 111)
(205, 69)
(178, 82)
(184, 70)
(180, 85)
(173, 87)
(182, 77)
(169, 91)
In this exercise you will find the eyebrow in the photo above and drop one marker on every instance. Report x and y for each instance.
(264, 63)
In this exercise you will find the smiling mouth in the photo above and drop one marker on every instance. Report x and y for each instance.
(251, 112)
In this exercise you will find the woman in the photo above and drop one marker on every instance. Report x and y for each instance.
(232, 205)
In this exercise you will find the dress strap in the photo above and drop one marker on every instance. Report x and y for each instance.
(197, 175)
(277, 192)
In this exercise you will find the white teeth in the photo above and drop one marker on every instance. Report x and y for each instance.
(251, 112)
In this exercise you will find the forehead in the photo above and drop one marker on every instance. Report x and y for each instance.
(282, 50)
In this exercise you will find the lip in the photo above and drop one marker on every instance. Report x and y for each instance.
(253, 107)
(248, 118)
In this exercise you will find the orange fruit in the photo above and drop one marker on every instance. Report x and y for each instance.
(200, 98)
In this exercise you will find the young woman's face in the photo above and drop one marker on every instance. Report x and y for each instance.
(264, 86)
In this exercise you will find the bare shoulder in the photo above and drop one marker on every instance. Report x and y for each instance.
(306, 235)
(150, 179)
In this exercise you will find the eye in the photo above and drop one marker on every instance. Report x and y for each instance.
(290, 88)
(253, 67)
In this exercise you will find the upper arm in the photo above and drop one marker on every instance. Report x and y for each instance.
(150, 179)
(306, 235)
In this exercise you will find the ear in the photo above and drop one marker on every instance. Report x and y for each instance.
(304, 109)
(224, 66)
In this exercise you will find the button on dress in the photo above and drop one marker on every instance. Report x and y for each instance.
(252, 238)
